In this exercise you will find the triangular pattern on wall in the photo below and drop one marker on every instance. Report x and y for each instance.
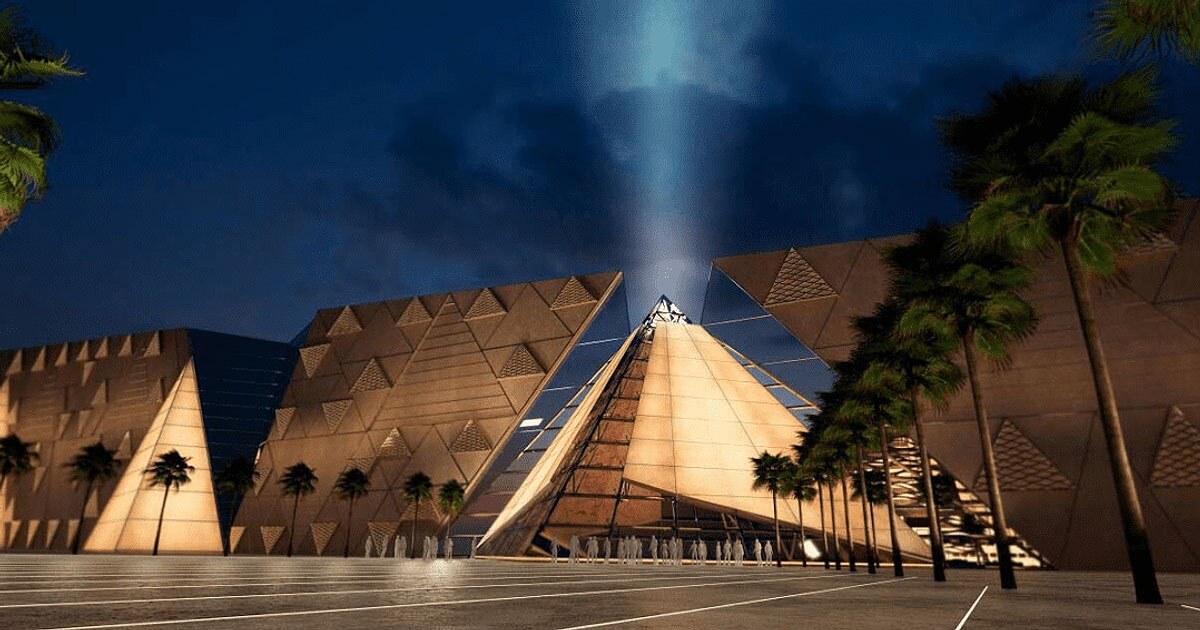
(520, 363)
(283, 419)
(371, 378)
(394, 446)
(321, 534)
(414, 313)
(335, 410)
(270, 536)
(51, 530)
(311, 358)
(486, 305)
(797, 281)
(235, 536)
(470, 439)
(126, 349)
(345, 324)
(1177, 461)
(381, 532)
(154, 345)
(573, 293)
(1021, 465)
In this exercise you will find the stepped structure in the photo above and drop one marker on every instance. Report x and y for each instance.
(1049, 445)
(434, 384)
(660, 444)
(209, 395)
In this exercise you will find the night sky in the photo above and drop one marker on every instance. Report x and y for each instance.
(235, 167)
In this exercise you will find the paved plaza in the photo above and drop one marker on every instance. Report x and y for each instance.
(273, 592)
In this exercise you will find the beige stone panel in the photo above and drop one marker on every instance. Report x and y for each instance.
(686, 406)
(650, 427)
(654, 404)
(746, 391)
(730, 371)
(696, 368)
(692, 386)
(764, 413)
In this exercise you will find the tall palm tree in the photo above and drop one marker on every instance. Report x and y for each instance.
(92, 464)
(16, 457)
(351, 486)
(1131, 28)
(417, 488)
(27, 135)
(451, 497)
(972, 294)
(298, 481)
(1053, 164)
(770, 470)
(919, 366)
(798, 484)
(236, 478)
(170, 470)
(870, 488)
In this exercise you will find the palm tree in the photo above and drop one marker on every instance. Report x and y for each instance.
(972, 294)
(170, 470)
(1053, 164)
(870, 487)
(92, 464)
(451, 497)
(27, 135)
(417, 488)
(236, 478)
(798, 484)
(917, 365)
(351, 486)
(1130, 28)
(298, 480)
(769, 474)
(16, 457)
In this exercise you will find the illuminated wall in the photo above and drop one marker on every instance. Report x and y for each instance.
(433, 384)
(669, 427)
(1050, 449)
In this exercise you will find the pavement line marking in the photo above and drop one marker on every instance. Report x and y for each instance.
(361, 591)
(970, 610)
(1190, 607)
(76, 578)
(337, 580)
(730, 605)
(484, 600)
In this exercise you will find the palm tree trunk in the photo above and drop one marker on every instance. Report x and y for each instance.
(87, 495)
(349, 523)
(885, 450)
(849, 533)
(837, 545)
(292, 529)
(778, 540)
(862, 492)
(803, 536)
(1008, 578)
(931, 508)
(874, 536)
(824, 532)
(1137, 540)
(416, 513)
(161, 512)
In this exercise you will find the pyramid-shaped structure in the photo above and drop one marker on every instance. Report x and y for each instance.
(662, 445)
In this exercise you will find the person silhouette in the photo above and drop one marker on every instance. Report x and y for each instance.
(768, 552)
(653, 549)
(607, 550)
(554, 551)
(758, 551)
(739, 554)
(703, 553)
(449, 548)
(368, 547)
(401, 547)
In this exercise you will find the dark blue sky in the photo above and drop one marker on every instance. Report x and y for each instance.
(236, 166)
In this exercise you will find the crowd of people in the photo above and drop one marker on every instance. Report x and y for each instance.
(667, 551)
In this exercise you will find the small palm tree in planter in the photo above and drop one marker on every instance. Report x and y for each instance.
(170, 470)
(298, 480)
(351, 486)
(92, 464)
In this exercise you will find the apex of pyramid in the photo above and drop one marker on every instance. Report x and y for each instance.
(665, 311)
